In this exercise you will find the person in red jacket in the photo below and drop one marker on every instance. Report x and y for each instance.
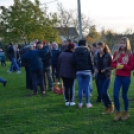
(123, 63)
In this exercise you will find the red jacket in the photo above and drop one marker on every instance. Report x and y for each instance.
(128, 67)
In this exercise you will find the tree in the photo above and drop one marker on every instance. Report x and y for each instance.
(25, 20)
(93, 35)
(69, 18)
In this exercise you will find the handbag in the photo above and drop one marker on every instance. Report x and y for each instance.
(58, 90)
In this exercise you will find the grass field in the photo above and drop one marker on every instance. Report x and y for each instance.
(48, 115)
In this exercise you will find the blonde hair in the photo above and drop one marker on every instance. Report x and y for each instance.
(127, 50)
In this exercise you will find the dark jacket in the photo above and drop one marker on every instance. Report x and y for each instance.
(107, 60)
(66, 67)
(33, 59)
(47, 58)
(82, 59)
(55, 55)
(12, 53)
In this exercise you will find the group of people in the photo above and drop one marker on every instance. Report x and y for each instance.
(81, 62)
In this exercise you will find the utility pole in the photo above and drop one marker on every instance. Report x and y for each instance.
(79, 19)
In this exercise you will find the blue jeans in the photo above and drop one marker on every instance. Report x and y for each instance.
(90, 84)
(83, 82)
(124, 82)
(14, 64)
(103, 85)
(2, 80)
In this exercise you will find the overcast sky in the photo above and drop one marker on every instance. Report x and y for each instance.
(117, 15)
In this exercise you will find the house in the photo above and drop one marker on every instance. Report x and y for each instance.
(68, 33)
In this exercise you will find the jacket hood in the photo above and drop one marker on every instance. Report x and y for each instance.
(81, 49)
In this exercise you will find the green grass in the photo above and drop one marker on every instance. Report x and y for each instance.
(48, 115)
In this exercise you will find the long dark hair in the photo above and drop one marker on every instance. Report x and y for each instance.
(105, 46)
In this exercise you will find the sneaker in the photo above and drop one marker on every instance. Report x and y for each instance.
(4, 84)
(8, 71)
(80, 105)
(117, 116)
(43, 92)
(89, 105)
(18, 72)
(58, 83)
(72, 103)
(125, 116)
(67, 103)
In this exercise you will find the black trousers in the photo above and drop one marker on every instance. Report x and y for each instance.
(38, 79)
(69, 92)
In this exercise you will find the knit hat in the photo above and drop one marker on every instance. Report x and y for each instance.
(82, 42)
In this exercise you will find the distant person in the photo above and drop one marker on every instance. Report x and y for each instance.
(46, 64)
(103, 72)
(2, 58)
(123, 63)
(84, 66)
(13, 54)
(3, 81)
(55, 54)
(94, 51)
(64, 46)
(33, 58)
(66, 70)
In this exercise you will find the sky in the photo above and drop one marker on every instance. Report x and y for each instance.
(116, 15)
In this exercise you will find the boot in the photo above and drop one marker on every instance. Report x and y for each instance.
(111, 108)
(125, 116)
(117, 116)
(106, 111)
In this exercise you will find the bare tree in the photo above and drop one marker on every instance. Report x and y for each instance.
(69, 19)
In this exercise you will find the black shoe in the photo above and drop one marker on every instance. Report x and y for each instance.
(98, 101)
(4, 84)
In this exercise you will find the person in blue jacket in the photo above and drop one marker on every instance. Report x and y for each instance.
(33, 58)
(55, 54)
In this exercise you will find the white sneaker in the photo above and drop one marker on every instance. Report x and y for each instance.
(72, 103)
(58, 83)
(89, 105)
(8, 71)
(66, 103)
(18, 72)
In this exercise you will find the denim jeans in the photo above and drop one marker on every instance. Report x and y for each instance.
(14, 64)
(124, 82)
(83, 83)
(103, 85)
(37, 77)
(99, 97)
(90, 84)
(69, 90)
(2, 80)
(54, 73)
(48, 72)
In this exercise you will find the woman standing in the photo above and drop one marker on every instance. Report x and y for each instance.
(66, 70)
(123, 63)
(103, 71)
(84, 67)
